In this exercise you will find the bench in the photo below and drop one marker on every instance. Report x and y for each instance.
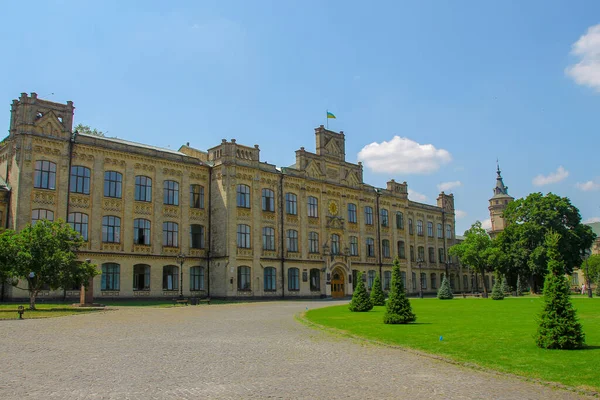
(180, 301)
(465, 295)
(197, 300)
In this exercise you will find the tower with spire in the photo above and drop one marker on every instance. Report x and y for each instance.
(498, 203)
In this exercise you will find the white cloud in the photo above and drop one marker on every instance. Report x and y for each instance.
(460, 214)
(447, 186)
(553, 177)
(403, 156)
(591, 220)
(587, 71)
(588, 186)
(486, 224)
(416, 196)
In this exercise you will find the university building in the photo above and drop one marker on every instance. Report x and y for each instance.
(218, 222)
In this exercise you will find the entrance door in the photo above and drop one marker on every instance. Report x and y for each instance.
(337, 284)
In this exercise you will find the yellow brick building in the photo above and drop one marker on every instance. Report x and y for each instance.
(245, 227)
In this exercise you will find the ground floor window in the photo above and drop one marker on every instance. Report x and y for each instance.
(170, 275)
(403, 276)
(387, 279)
(414, 281)
(433, 281)
(575, 279)
(293, 279)
(371, 277)
(465, 282)
(354, 278)
(423, 280)
(196, 278)
(270, 279)
(141, 277)
(110, 276)
(315, 279)
(243, 278)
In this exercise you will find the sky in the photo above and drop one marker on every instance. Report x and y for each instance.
(427, 92)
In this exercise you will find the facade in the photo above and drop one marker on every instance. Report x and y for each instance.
(246, 227)
(498, 204)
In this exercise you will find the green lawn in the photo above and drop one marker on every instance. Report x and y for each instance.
(494, 334)
(49, 310)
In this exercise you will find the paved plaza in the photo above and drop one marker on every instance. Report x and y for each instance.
(234, 351)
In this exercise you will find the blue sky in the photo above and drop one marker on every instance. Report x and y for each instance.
(476, 80)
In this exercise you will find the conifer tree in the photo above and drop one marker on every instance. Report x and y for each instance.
(360, 298)
(505, 287)
(497, 292)
(377, 295)
(445, 291)
(558, 328)
(519, 288)
(397, 308)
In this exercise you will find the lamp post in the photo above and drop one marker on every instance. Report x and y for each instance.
(586, 255)
(419, 263)
(181, 260)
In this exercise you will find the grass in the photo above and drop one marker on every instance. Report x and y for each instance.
(494, 334)
(49, 310)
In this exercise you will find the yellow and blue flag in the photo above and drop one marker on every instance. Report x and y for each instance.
(330, 115)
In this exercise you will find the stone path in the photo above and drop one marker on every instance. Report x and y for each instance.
(236, 351)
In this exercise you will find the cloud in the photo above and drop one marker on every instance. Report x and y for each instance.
(486, 224)
(403, 156)
(587, 71)
(553, 177)
(591, 220)
(448, 186)
(460, 214)
(588, 186)
(416, 196)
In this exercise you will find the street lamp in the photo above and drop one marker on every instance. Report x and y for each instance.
(419, 263)
(181, 260)
(586, 254)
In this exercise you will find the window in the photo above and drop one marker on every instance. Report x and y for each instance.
(439, 231)
(196, 278)
(399, 220)
(313, 242)
(441, 255)
(170, 277)
(369, 215)
(196, 236)
(141, 277)
(268, 200)
(243, 196)
(421, 254)
(243, 236)
(291, 204)
(423, 280)
(403, 276)
(371, 279)
(112, 184)
(293, 279)
(419, 227)
(574, 278)
(370, 247)
(143, 188)
(111, 229)
(352, 213)
(401, 249)
(80, 179)
(171, 193)
(110, 276)
(410, 227)
(387, 279)
(414, 281)
(313, 207)
(465, 282)
(430, 229)
(448, 231)
(353, 245)
(170, 234)
(412, 253)
(385, 220)
(431, 255)
(385, 247)
(434, 281)
(270, 281)
(45, 175)
(39, 213)
(268, 237)
(79, 223)
(335, 244)
(354, 279)
(315, 279)
(292, 240)
(243, 278)
(452, 281)
(196, 196)
(141, 231)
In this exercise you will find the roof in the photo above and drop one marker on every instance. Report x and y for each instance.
(136, 144)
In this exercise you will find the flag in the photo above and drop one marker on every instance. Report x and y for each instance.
(330, 115)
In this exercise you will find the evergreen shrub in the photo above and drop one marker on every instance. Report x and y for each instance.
(397, 308)
(445, 291)
(377, 295)
(360, 298)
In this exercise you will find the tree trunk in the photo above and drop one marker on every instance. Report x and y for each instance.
(32, 296)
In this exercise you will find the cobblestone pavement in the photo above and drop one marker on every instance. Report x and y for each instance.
(254, 350)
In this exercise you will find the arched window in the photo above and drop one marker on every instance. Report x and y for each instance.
(313, 242)
(141, 231)
(414, 281)
(448, 231)
(111, 229)
(110, 276)
(399, 220)
(385, 247)
(403, 277)
(387, 279)
(313, 207)
(410, 227)
(196, 196)
(440, 234)
(423, 280)
(412, 253)
(292, 240)
(196, 278)
(421, 254)
(171, 193)
(40, 213)
(268, 236)
(431, 255)
(385, 220)
(243, 278)
(419, 227)
(433, 281)
(196, 236)
(430, 229)
(368, 215)
(170, 234)
(268, 200)
(170, 277)
(291, 204)
(243, 236)
(45, 175)
(401, 249)
(335, 244)
(293, 279)
(270, 279)
(352, 213)
(371, 279)
(80, 179)
(143, 188)
(79, 223)
(243, 196)
(370, 247)
(353, 245)
(315, 279)
(112, 184)
(141, 277)
(441, 258)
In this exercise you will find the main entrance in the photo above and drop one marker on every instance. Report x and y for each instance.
(337, 284)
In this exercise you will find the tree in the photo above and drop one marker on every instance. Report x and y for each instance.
(497, 293)
(504, 287)
(558, 328)
(377, 295)
(519, 288)
(445, 291)
(80, 128)
(592, 268)
(360, 298)
(46, 256)
(477, 251)
(528, 221)
(397, 308)
(598, 286)
(8, 253)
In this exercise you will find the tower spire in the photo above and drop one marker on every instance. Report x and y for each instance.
(500, 188)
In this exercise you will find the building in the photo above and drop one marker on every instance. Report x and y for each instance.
(498, 204)
(245, 227)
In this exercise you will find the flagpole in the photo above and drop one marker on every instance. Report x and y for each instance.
(327, 118)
